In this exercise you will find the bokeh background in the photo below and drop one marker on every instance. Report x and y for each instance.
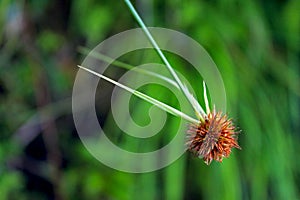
(256, 46)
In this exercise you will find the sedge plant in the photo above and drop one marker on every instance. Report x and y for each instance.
(211, 134)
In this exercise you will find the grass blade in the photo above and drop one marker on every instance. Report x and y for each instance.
(205, 98)
(145, 97)
(123, 65)
(201, 113)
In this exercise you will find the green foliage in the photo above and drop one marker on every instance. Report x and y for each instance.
(12, 186)
(86, 16)
(255, 45)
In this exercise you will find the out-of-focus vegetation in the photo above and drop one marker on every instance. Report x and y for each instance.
(256, 46)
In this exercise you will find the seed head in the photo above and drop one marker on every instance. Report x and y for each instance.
(213, 138)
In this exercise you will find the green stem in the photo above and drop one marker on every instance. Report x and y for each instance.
(160, 53)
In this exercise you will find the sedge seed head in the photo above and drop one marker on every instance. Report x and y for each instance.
(213, 138)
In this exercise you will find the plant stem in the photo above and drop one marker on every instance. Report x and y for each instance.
(160, 53)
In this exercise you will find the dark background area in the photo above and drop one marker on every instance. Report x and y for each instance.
(256, 46)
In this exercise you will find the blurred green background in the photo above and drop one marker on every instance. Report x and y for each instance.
(256, 46)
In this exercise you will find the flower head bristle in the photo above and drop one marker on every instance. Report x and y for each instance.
(212, 139)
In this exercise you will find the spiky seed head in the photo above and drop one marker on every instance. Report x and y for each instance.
(213, 138)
